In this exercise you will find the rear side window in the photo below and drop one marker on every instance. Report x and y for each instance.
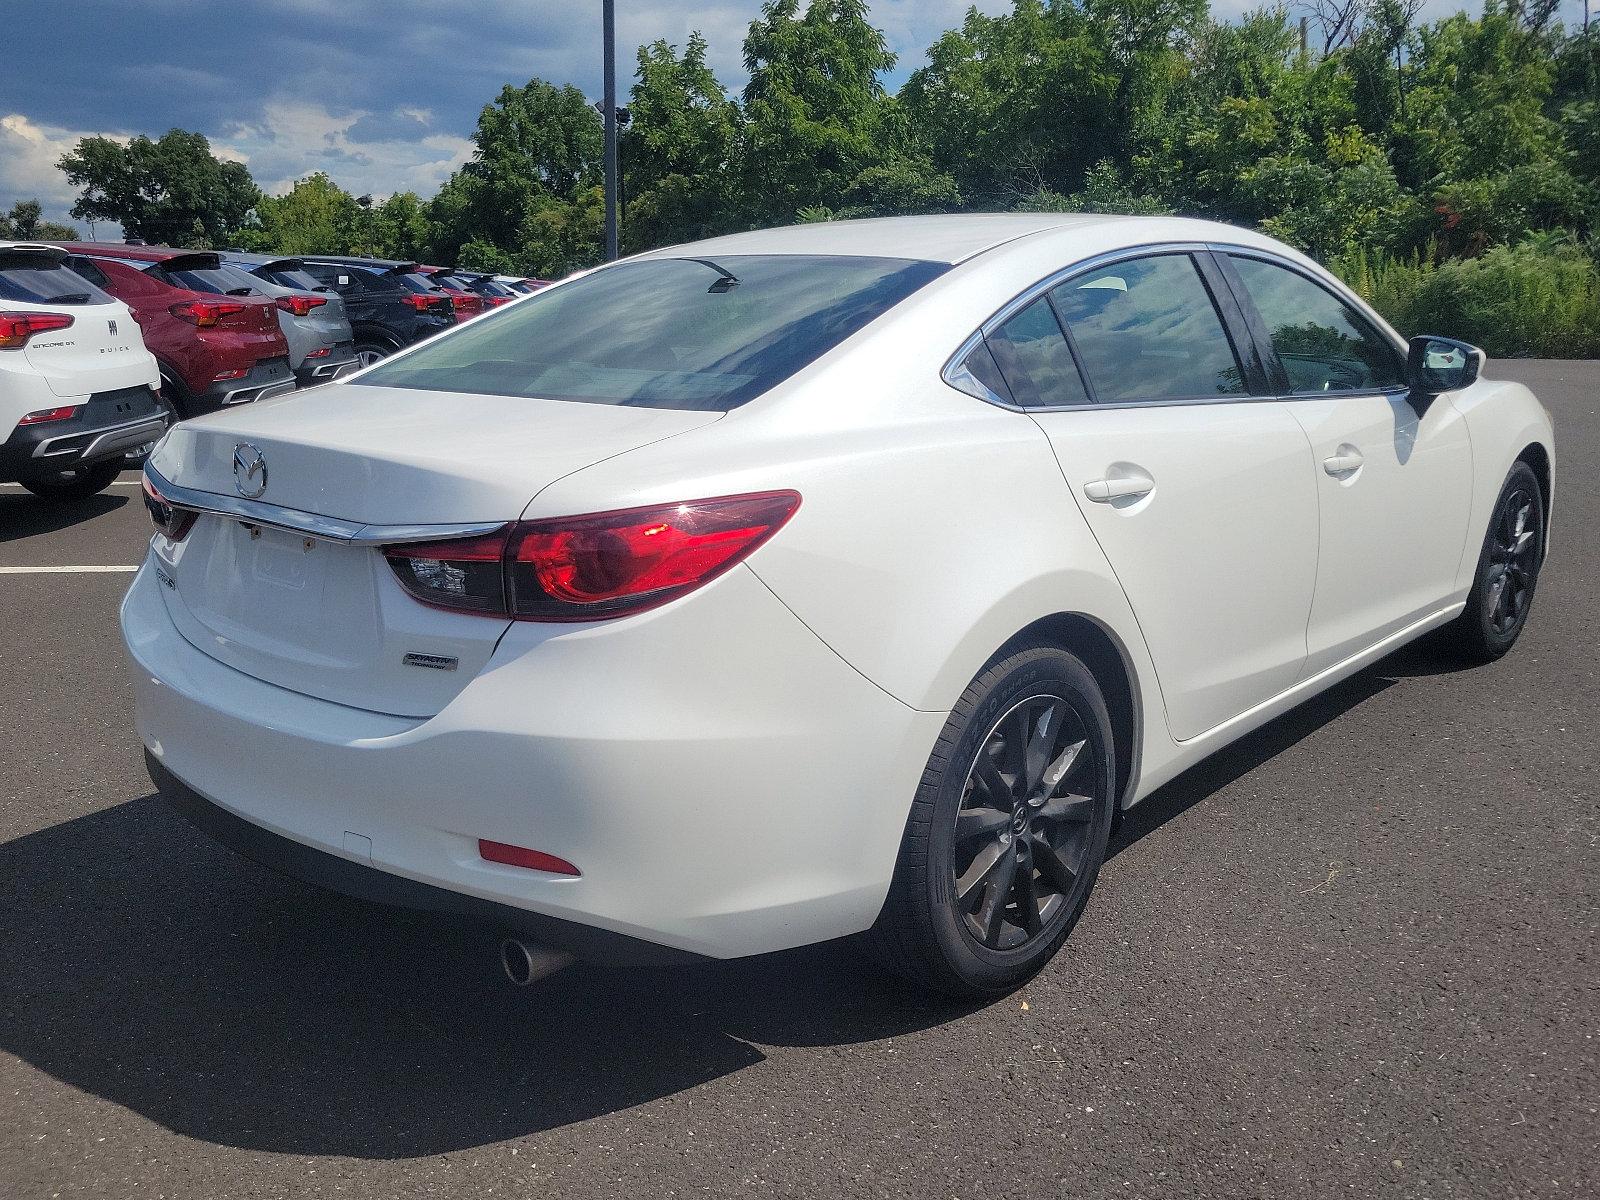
(1035, 359)
(1146, 329)
(701, 334)
(1323, 343)
(37, 279)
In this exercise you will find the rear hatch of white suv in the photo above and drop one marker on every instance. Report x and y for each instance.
(283, 575)
(98, 349)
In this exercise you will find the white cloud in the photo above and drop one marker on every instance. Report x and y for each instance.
(28, 154)
(292, 138)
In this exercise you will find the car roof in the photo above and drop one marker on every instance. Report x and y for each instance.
(152, 254)
(948, 238)
(958, 237)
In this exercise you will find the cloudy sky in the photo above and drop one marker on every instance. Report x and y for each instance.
(381, 94)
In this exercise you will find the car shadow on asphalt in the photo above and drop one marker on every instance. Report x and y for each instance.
(1421, 658)
(25, 516)
(144, 964)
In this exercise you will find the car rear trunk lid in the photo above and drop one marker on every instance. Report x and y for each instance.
(281, 598)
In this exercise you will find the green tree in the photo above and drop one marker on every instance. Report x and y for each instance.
(678, 151)
(400, 228)
(316, 216)
(819, 129)
(169, 191)
(524, 194)
(23, 224)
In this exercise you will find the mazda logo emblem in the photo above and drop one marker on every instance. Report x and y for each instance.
(249, 471)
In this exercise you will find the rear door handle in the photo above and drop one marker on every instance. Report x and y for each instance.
(1348, 459)
(1118, 487)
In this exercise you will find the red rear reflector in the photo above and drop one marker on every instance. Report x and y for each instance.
(323, 353)
(65, 413)
(238, 374)
(17, 327)
(520, 856)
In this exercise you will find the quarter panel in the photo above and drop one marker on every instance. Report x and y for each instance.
(1502, 418)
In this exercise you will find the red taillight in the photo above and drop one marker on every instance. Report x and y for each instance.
(322, 353)
(171, 520)
(17, 327)
(40, 417)
(238, 373)
(521, 856)
(421, 301)
(465, 303)
(497, 301)
(205, 313)
(594, 567)
(300, 306)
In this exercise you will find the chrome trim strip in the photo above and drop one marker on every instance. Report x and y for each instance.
(142, 426)
(294, 520)
(1020, 301)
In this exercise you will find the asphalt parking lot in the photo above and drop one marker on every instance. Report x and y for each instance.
(1356, 954)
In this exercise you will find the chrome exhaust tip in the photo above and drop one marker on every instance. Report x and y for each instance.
(525, 964)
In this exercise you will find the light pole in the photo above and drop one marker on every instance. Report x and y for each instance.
(608, 35)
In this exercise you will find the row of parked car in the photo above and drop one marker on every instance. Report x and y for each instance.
(104, 345)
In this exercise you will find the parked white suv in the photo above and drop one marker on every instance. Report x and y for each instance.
(77, 385)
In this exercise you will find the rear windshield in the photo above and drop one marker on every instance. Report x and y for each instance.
(305, 281)
(416, 283)
(33, 279)
(222, 280)
(665, 333)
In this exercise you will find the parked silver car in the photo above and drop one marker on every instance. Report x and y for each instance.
(321, 345)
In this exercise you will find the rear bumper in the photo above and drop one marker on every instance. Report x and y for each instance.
(312, 371)
(109, 425)
(269, 377)
(351, 878)
(725, 783)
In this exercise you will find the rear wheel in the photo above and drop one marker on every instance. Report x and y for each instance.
(368, 353)
(77, 484)
(1007, 831)
(1508, 572)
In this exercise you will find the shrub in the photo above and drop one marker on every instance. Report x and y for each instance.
(1531, 300)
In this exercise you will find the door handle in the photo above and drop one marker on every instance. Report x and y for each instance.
(1118, 487)
(1347, 460)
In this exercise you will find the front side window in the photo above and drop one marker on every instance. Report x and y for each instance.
(1146, 329)
(706, 334)
(1323, 344)
(1035, 360)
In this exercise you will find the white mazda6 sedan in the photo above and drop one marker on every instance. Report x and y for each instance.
(839, 579)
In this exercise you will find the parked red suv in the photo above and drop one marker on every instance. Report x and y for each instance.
(213, 350)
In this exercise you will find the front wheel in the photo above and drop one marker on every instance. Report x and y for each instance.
(78, 484)
(1508, 572)
(1007, 831)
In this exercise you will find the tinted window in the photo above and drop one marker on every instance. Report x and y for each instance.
(303, 280)
(1323, 344)
(977, 374)
(1146, 329)
(89, 270)
(665, 333)
(223, 280)
(36, 279)
(1035, 359)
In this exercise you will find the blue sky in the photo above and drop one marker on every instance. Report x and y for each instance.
(381, 94)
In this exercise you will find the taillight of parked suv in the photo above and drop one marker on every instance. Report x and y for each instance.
(17, 327)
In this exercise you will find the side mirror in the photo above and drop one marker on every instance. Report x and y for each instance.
(1441, 364)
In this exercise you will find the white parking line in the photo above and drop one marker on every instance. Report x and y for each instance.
(66, 570)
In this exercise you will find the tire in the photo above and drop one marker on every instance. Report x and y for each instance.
(1508, 573)
(952, 922)
(368, 353)
(72, 486)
